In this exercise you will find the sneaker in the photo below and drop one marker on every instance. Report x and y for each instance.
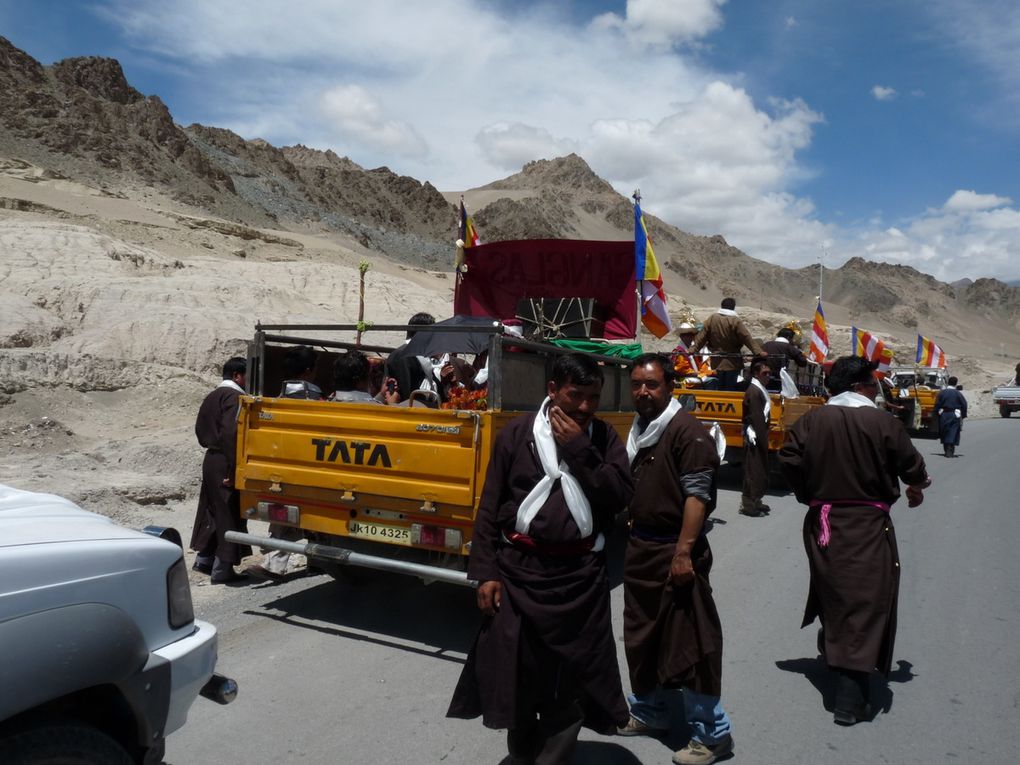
(635, 727)
(697, 753)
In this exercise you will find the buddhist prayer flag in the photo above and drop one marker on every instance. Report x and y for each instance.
(654, 311)
(467, 232)
(870, 347)
(819, 337)
(929, 354)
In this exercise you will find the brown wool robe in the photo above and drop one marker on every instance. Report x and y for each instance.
(551, 642)
(843, 453)
(756, 458)
(219, 508)
(672, 636)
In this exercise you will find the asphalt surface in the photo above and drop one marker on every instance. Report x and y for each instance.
(362, 671)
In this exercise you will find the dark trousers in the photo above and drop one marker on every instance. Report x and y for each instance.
(727, 380)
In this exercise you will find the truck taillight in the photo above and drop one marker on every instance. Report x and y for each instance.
(277, 512)
(436, 536)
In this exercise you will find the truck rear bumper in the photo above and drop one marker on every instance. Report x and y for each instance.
(349, 558)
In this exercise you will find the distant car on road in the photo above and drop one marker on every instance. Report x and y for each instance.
(102, 654)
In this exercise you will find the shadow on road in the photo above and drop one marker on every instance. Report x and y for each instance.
(597, 753)
(823, 679)
(386, 609)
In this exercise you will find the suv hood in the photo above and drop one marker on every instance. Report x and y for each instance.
(28, 517)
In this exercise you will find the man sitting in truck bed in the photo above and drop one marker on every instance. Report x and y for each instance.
(351, 379)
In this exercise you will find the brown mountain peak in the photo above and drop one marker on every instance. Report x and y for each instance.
(100, 77)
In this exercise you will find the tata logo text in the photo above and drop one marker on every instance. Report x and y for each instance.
(717, 407)
(351, 452)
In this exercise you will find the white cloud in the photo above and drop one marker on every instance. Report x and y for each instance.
(453, 92)
(358, 114)
(969, 201)
(665, 22)
(790, 22)
(988, 31)
(951, 243)
(511, 145)
(882, 93)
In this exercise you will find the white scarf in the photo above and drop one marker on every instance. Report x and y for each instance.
(652, 432)
(768, 396)
(726, 312)
(749, 433)
(430, 372)
(231, 384)
(850, 399)
(577, 503)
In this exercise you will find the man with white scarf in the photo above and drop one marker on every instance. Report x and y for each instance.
(757, 406)
(672, 632)
(726, 334)
(845, 460)
(219, 504)
(544, 662)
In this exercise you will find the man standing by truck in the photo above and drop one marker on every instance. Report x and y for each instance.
(726, 334)
(219, 504)
(544, 662)
(671, 628)
(757, 405)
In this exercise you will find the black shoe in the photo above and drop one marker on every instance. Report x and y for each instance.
(853, 716)
(764, 509)
(756, 513)
(203, 568)
(229, 578)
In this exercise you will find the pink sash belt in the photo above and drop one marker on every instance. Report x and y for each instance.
(825, 533)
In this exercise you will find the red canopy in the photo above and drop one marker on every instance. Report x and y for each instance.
(500, 274)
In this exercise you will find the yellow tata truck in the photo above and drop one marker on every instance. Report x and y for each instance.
(727, 408)
(386, 487)
(912, 396)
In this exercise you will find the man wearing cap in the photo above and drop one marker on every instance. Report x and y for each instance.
(726, 334)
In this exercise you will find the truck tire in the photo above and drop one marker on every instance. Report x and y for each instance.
(1004, 411)
(61, 743)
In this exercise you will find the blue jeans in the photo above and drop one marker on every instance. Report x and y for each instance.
(707, 719)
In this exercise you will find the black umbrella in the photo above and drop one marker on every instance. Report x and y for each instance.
(461, 334)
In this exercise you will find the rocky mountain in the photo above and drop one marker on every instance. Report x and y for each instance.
(80, 119)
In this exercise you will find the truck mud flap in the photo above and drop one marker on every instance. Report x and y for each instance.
(346, 557)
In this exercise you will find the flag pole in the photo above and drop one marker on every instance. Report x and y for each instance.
(636, 196)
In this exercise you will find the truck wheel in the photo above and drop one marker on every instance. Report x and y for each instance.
(61, 743)
(1004, 411)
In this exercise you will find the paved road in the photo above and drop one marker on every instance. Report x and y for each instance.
(334, 672)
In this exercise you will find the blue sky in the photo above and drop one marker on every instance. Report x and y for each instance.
(888, 130)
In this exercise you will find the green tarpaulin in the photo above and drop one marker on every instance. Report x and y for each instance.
(623, 350)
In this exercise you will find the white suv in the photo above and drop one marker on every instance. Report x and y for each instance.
(102, 654)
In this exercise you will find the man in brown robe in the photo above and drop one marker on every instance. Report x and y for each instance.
(219, 505)
(725, 333)
(757, 404)
(544, 662)
(781, 351)
(672, 632)
(845, 461)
